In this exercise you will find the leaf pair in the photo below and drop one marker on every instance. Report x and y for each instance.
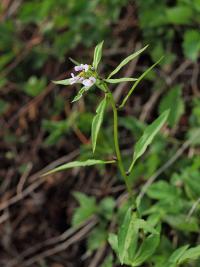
(126, 243)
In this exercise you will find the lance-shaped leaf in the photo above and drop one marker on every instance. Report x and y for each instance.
(137, 82)
(148, 136)
(63, 82)
(146, 249)
(126, 234)
(80, 94)
(74, 61)
(97, 55)
(97, 121)
(120, 80)
(75, 164)
(126, 61)
(176, 256)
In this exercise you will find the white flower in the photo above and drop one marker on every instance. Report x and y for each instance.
(89, 82)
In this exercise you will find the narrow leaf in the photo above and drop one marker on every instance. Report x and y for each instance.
(63, 82)
(75, 164)
(148, 137)
(97, 121)
(120, 80)
(126, 61)
(80, 94)
(138, 81)
(74, 61)
(97, 55)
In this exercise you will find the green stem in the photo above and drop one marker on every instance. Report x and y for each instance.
(116, 141)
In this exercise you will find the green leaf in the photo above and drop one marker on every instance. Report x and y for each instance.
(97, 121)
(3, 106)
(63, 82)
(148, 137)
(120, 80)
(182, 223)
(138, 81)
(74, 61)
(97, 238)
(126, 233)
(176, 256)
(80, 94)
(147, 249)
(162, 190)
(76, 164)
(97, 55)
(191, 44)
(173, 101)
(190, 254)
(179, 15)
(86, 210)
(108, 262)
(113, 241)
(34, 86)
(126, 61)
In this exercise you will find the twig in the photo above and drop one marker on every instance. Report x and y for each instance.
(194, 206)
(36, 183)
(63, 246)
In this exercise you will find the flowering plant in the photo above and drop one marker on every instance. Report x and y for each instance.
(125, 243)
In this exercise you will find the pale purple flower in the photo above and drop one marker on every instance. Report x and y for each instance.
(89, 82)
(82, 67)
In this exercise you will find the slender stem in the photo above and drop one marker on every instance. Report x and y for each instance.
(116, 141)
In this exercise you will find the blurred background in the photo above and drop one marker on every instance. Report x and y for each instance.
(41, 129)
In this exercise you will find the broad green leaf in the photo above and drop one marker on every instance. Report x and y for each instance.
(146, 249)
(34, 86)
(108, 262)
(86, 210)
(97, 55)
(176, 256)
(126, 234)
(3, 106)
(126, 61)
(97, 121)
(191, 44)
(75, 164)
(190, 254)
(113, 241)
(137, 82)
(182, 223)
(97, 238)
(120, 80)
(176, 110)
(146, 226)
(162, 190)
(63, 82)
(179, 14)
(148, 137)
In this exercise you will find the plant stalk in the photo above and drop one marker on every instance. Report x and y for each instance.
(116, 141)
